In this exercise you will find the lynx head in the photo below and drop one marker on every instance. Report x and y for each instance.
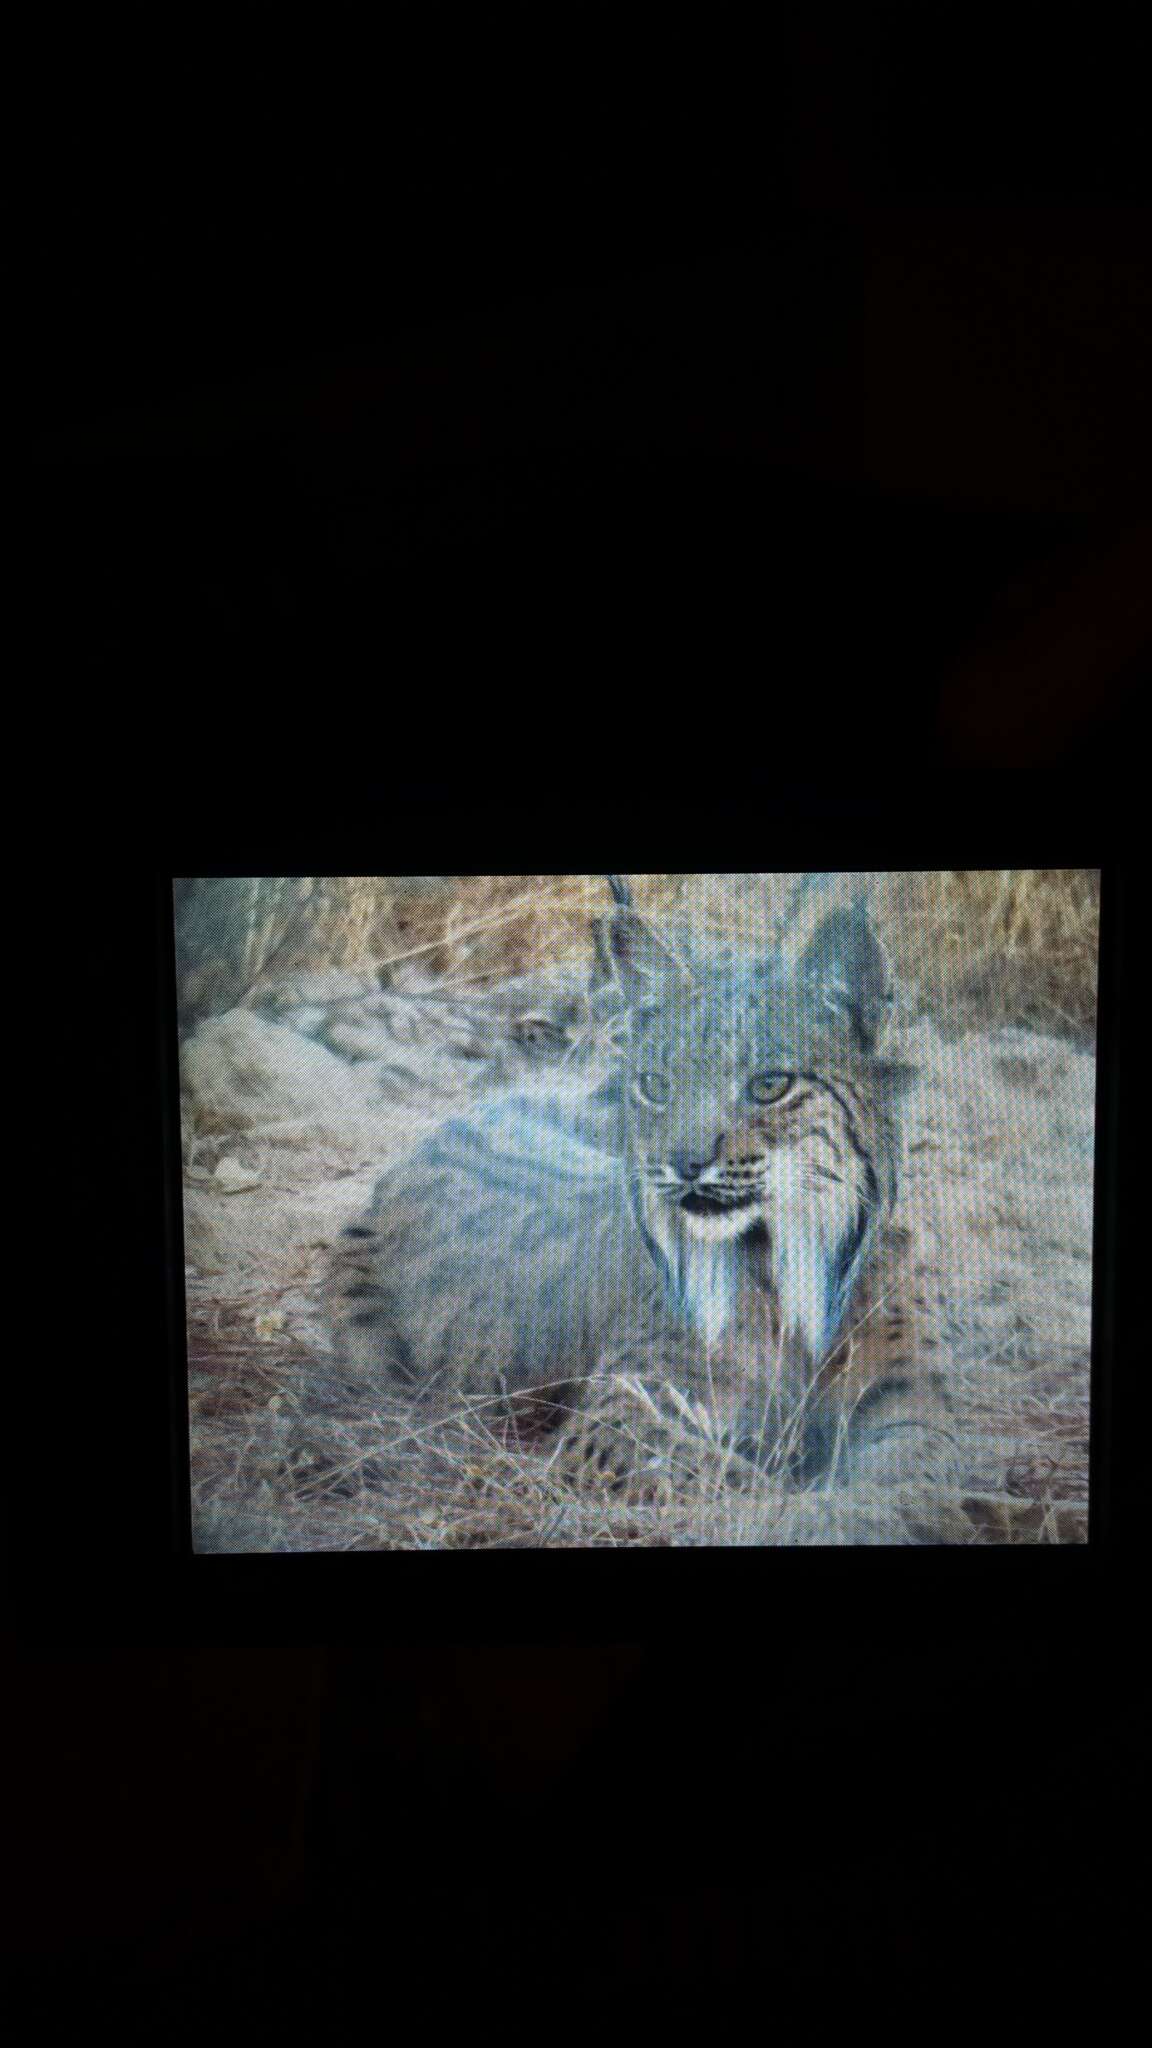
(760, 1123)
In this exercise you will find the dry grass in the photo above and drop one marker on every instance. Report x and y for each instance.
(283, 1461)
(991, 946)
(970, 945)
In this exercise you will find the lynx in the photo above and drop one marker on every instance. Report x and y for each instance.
(425, 1042)
(698, 1249)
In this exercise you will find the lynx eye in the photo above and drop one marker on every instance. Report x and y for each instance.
(538, 1031)
(652, 1089)
(769, 1087)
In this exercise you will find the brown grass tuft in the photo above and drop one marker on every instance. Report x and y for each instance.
(985, 946)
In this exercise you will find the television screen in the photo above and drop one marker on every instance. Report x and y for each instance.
(582, 1211)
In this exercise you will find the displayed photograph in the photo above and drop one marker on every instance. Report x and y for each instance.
(586, 1211)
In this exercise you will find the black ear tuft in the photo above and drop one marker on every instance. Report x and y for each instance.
(846, 962)
(630, 958)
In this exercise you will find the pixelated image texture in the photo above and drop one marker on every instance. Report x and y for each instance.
(570, 1211)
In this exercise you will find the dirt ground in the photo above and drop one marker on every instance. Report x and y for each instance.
(285, 1138)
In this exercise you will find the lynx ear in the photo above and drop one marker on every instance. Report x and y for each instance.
(630, 959)
(846, 963)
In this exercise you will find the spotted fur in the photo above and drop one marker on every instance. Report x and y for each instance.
(428, 1043)
(694, 1259)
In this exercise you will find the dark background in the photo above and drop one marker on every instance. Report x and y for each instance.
(440, 398)
(458, 429)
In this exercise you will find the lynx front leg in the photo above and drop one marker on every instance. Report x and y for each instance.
(902, 1435)
(896, 1480)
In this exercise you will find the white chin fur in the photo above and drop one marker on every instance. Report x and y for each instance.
(705, 1274)
(699, 1251)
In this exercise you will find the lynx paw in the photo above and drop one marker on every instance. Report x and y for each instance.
(601, 1451)
(651, 1442)
(843, 1518)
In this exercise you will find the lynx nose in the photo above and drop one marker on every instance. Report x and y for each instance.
(688, 1166)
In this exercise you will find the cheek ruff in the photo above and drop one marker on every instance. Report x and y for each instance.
(816, 1227)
